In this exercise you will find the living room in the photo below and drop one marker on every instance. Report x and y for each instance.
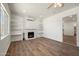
(36, 29)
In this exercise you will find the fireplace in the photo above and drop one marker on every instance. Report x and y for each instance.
(30, 34)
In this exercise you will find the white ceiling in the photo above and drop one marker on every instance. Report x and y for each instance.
(38, 10)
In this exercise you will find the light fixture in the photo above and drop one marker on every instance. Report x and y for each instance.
(56, 5)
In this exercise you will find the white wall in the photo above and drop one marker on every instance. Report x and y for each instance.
(4, 43)
(69, 28)
(35, 26)
(78, 29)
(53, 25)
(32, 24)
(20, 24)
(16, 24)
(52, 28)
(16, 28)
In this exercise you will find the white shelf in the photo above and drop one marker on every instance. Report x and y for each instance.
(16, 33)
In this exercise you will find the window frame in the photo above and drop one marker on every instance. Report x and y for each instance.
(7, 31)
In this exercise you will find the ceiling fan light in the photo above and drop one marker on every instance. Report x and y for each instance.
(60, 4)
(57, 5)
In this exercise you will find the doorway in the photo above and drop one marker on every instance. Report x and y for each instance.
(69, 29)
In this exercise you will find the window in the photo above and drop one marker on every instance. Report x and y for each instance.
(4, 20)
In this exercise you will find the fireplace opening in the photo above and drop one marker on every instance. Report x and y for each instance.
(30, 34)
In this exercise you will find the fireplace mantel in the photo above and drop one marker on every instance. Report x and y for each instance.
(30, 29)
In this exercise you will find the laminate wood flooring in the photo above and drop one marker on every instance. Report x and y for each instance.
(70, 40)
(41, 47)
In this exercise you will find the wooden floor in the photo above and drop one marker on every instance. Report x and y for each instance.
(70, 40)
(41, 47)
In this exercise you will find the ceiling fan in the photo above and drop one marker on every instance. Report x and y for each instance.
(56, 5)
